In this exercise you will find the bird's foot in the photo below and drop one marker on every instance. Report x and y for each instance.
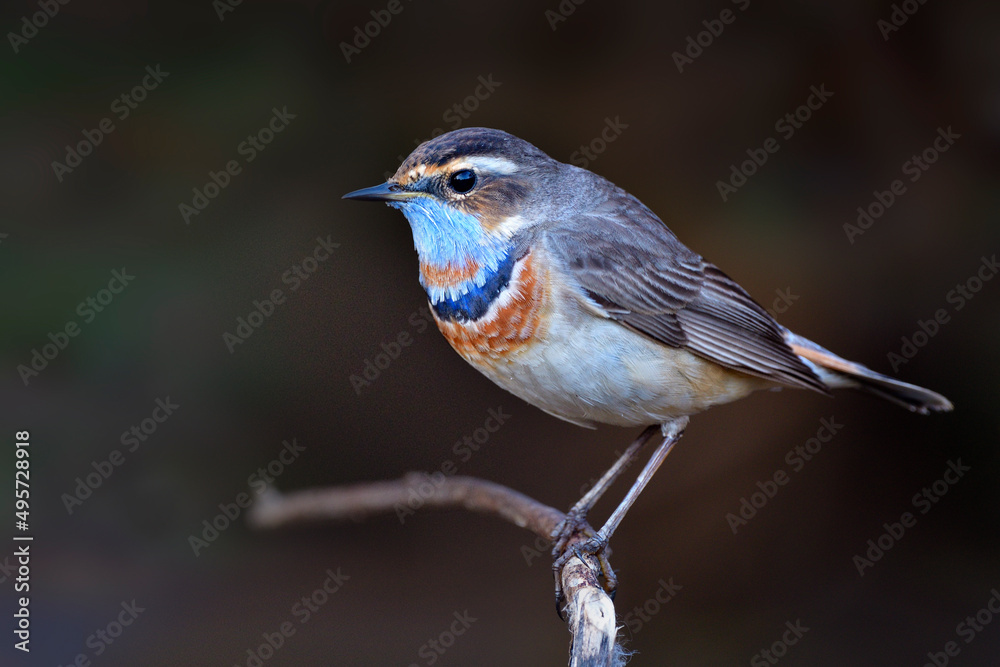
(575, 537)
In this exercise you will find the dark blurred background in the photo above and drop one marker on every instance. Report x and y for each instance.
(348, 106)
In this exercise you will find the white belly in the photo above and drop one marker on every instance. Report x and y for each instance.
(584, 368)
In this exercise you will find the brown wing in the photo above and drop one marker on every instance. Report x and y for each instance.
(635, 269)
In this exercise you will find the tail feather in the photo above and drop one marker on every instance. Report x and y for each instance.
(838, 372)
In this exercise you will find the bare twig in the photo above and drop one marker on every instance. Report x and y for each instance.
(590, 612)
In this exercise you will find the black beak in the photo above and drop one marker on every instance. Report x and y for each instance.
(383, 192)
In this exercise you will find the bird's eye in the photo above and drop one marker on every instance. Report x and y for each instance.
(462, 181)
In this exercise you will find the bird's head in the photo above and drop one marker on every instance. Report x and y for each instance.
(465, 194)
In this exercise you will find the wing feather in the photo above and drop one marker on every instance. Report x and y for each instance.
(632, 266)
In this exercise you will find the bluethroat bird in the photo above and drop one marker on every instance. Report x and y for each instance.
(568, 292)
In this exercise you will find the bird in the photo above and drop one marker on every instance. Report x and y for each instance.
(570, 293)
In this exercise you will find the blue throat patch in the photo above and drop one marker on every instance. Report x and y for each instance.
(472, 305)
(445, 236)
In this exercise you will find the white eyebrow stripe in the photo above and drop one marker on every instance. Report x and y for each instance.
(496, 165)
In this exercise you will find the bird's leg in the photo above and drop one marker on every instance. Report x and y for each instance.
(576, 519)
(575, 524)
(672, 432)
(596, 543)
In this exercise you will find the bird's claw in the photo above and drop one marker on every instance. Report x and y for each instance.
(575, 537)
